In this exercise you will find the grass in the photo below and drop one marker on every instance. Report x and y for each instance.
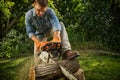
(10, 68)
(97, 66)
(100, 67)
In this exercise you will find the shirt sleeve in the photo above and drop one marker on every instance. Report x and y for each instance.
(54, 20)
(29, 27)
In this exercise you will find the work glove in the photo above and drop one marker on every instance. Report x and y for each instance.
(55, 42)
(38, 43)
(56, 37)
(41, 45)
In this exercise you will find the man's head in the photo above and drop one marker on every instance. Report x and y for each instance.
(40, 7)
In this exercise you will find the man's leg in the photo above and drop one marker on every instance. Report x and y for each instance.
(64, 38)
(66, 47)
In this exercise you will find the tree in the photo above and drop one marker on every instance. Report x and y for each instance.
(93, 20)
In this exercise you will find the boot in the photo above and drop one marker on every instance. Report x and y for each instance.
(70, 54)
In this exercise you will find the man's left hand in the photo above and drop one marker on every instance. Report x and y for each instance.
(56, 37)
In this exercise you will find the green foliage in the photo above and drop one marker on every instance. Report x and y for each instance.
(75, 34)
(55, 9)
(10, 12)
(5, 7)
(20, 25)
(70, 9)
(92, 20)
(14, 44)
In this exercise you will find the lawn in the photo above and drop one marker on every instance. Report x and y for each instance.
(96, 67)
(15, 69)
(100, 66)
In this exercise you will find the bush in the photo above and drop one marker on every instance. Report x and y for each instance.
(14, 44)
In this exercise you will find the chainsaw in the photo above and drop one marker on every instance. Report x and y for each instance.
(51, 53)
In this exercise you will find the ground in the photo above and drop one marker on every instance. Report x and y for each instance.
(97, 65)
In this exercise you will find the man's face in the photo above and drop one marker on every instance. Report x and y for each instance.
(39, 10)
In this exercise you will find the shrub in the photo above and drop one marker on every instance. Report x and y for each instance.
(14, 44)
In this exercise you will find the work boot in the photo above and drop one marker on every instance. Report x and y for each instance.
(70, 55)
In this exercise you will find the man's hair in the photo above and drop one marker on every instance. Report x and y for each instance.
(43, 3)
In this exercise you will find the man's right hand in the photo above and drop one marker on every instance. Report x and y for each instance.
(39, 44)
(36, 41)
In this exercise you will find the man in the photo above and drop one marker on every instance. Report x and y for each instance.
(41, 22)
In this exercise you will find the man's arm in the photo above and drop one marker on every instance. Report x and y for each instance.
(29, 27)
(31, 31)
(56, 26)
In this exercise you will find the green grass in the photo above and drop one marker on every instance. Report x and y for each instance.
(100, 67)
(96, 66)
(9, 68)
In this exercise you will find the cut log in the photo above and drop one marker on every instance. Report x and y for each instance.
(53, 71)
(80, 74)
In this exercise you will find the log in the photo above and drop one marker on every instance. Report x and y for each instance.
(80, 74)
(53, 71)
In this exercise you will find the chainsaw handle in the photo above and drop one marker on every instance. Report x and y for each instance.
(51, 46)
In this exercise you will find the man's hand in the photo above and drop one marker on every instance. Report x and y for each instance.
(38, 43)
(41, 45)
(56, 37)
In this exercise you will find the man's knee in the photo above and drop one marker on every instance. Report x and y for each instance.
(62, 25)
